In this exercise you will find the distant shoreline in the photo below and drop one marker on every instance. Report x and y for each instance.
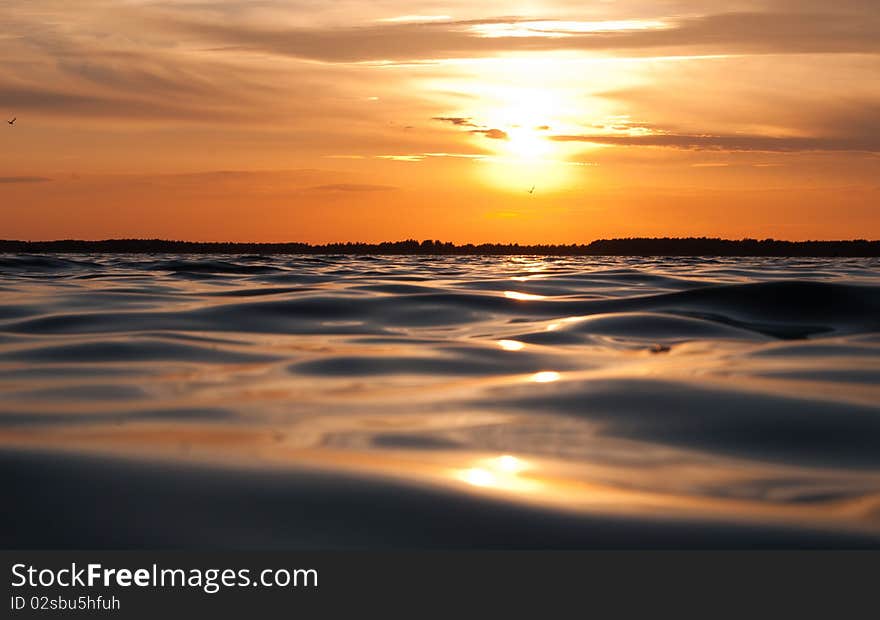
(636, 246)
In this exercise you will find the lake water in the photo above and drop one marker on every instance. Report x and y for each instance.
(449, 402)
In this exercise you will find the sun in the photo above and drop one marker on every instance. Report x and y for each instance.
(525, 158)
(523, 152)
(527, 143)
(525, 116)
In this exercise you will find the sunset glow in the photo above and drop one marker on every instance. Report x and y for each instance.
(547, 122)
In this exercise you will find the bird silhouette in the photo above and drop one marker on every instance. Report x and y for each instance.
(532, 191)
(12, 122)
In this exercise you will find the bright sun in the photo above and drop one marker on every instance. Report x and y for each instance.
(527, 143)
(525, 159)
(525, 117)
(526, 156)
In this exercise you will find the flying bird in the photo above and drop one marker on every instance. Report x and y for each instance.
(12, 122)
(532, 191)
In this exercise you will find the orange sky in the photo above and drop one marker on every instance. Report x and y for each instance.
(268, 120)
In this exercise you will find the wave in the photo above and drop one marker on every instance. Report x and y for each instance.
(308, 510)
(372, 401)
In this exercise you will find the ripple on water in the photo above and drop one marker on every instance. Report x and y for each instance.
(331, 401)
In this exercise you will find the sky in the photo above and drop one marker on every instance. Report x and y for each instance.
(559, 121)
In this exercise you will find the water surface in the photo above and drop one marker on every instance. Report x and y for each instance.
(414, 402)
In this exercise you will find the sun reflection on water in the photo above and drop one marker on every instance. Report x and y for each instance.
(522, 296)
(545, 376)
(502, 472)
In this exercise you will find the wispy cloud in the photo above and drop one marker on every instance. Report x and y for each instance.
(411, 158)
(24, 179)
(414, 157)
(755, 32)
(415, 18)
(732, 142)
(494, 134)
(352, 187)
(465, 121)
(459, 121)
(854, 126)
(560, 28)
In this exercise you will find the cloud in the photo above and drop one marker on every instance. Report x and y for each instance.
(110, 106)
(736, 142)
(85, 63)
(401, 157)
(24, 179)
(416, 18)
(151, 63)
(352, 187)
(157, 65)
(460, 121)
(848, 126)
(494, 134)
(466, 121)
(755, 32)
(414, 157)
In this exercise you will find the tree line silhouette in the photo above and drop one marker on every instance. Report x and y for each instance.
(630, 246)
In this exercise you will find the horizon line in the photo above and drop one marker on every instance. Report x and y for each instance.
(414, 239)
(622, 246)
